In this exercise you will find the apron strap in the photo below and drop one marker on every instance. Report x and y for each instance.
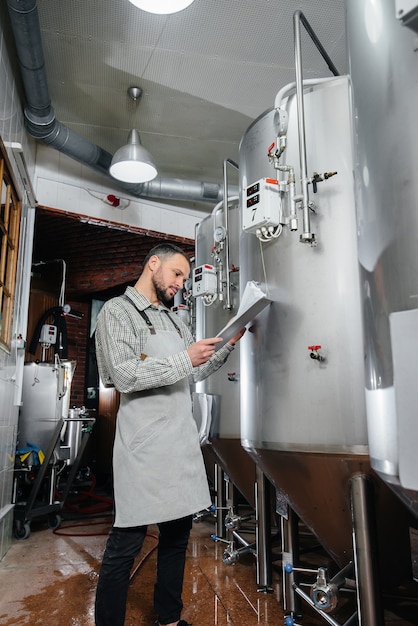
(142, 314)
(173, 322)
(148, 321)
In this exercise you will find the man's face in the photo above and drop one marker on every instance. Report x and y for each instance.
(169, 276)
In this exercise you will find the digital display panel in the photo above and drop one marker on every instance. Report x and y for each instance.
(253, 189)
(252, 201)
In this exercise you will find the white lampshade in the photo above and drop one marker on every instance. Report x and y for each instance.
(132, 163)
(162, 7)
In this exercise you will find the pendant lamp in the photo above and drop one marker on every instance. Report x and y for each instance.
(132, 163)
(162, 7)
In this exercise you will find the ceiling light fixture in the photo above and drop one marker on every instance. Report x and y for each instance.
(132, 163)
(162, 7)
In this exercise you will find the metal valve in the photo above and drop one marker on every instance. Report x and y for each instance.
(319, 178)
(324, 594)
(230, 555)
(234, 521)
(314, 354)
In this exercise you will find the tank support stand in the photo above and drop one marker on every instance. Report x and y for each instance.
(263, 531)
(230, 530)
(365, 553)
(323, 596)
(220, 500)
(290, 554)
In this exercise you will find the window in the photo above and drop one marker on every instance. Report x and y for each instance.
(9, 233)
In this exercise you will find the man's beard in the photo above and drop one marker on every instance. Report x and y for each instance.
(161, 292)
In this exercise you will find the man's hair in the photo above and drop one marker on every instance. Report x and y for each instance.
(164, 251)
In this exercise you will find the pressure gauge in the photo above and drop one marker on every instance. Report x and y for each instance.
(219, 234)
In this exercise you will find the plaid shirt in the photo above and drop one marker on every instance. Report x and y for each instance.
(121, 336)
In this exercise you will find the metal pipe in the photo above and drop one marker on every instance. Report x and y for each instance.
(242, 541)
(290, 87)
(228, 305)
(340, 578)
(290, 553)
(298, 18)
(306, 235)
(52, 484)
(365, 553)
(182, 189)
(220, 501)
(352, 620)
(263, 531)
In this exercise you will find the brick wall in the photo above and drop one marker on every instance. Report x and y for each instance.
(78, 334)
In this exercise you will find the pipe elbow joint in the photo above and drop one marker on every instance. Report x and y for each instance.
(40, 126)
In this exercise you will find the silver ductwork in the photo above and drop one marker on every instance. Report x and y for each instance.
(42, 124)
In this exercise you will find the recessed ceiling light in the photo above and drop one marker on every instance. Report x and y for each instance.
(162, 7)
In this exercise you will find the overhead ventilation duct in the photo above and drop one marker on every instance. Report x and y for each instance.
(42, 124)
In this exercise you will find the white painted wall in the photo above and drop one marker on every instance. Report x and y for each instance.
(11, 363)
(65, 184)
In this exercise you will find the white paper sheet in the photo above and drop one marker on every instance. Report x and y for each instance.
(253, 301)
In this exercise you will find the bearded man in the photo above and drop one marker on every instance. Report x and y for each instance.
(148, 354)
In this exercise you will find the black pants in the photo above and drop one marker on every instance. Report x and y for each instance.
(123, 545)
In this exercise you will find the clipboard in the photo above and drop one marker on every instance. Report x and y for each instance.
(253, 301)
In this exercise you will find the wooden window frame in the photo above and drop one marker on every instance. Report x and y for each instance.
(10, 217)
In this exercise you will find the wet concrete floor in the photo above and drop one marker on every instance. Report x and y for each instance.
(49, 579)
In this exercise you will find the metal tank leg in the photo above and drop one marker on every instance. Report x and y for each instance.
(263, 531)
(229, 492)
(220, 501)
(290, 554)
(370, 612)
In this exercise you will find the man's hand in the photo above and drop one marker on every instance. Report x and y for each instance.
(202, 350)
(237, 337)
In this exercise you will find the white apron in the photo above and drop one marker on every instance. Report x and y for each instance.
(159, 474)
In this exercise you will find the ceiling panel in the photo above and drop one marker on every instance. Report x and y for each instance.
(206, 72)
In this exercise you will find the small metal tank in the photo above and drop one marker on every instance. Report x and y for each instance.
(45, 400)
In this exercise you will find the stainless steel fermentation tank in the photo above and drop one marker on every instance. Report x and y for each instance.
(303, 413)
(218, 397)
(384, 72)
